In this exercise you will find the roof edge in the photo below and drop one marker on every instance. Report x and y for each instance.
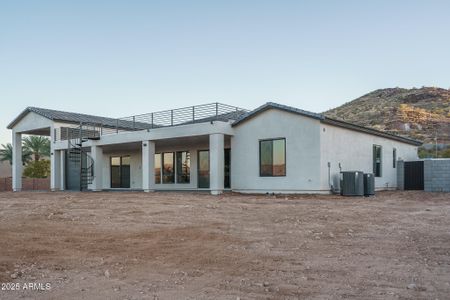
(372, 131)
(270, 105)
(325, 120)
(20, 117)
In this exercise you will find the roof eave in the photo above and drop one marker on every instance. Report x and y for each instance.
(18, 118)
(272, 105)
(372, 131)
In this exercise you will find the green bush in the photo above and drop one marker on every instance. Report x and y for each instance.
(37, 169)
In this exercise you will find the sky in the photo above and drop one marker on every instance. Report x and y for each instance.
(120, 58)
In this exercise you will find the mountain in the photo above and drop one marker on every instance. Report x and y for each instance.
(418, 113)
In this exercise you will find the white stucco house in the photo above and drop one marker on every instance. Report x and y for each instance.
(212, 147)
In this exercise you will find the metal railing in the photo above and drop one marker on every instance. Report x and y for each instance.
(167, 118)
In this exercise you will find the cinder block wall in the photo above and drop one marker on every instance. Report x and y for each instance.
(437, 175)
(400, 175)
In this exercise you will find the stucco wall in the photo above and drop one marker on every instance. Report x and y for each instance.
(32, 121)
(302, 153)
(400, 175)
(354, 151)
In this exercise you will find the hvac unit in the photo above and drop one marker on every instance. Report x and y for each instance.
(369, 184)
(352, 183)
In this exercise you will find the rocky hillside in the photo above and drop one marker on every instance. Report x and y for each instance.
(421, 113)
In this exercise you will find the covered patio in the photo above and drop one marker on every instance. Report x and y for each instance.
(186, 163)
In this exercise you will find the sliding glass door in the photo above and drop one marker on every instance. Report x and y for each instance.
(120, 172)
(203, 169)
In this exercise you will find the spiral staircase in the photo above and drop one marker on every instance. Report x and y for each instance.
(79, 156)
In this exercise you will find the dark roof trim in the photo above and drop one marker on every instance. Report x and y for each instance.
(270, 105)
(325, 120)
(367, 130)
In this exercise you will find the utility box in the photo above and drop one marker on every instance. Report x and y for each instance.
(352, 183)
(369, 184)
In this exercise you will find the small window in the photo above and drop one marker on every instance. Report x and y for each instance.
(168, 167)
(272, 157)
(158, 168)
(183, 167)
(394, 158)
(377, 160)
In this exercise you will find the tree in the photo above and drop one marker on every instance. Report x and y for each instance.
(38, 145)
(37, 169)
(6, 154)
(446, 153)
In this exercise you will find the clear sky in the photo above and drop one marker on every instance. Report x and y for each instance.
(119, 58)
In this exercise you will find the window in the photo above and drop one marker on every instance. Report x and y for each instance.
(158, 168)
(377, 160)
(272, 157)
(168, 175)
(183, 167)
(227, 169)
(394, 158)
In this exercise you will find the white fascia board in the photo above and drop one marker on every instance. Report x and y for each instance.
(164, 133)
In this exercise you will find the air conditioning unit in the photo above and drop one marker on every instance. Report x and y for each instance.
(369, 184)
(352, 183)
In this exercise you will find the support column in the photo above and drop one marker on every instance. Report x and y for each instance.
(216, 163)
(97, 156)
(55, 169)
(62, 165)
(148, 166)
(17, 162)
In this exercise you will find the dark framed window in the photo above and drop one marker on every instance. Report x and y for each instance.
(377, 160)
(183, 167)
(168, 171)
(227, 171)
(158, 168)
(394, 158)
(272, 157)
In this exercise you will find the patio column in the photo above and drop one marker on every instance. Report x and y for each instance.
(62, 172)
(148, 166)
(17, 162)
(55, 169)
(216, 163)
(97, 156)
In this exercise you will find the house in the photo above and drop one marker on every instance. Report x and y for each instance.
(212, 147)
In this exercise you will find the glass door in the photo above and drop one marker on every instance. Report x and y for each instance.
(203, 169)
(227, 171)
(125, 172)
(120, 172)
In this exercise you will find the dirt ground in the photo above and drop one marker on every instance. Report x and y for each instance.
(119, 245)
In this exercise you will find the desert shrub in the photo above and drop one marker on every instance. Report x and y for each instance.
(37, 169)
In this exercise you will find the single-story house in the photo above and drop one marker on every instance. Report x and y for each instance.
(213, 147)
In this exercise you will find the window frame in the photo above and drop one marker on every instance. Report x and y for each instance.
(176, 167)
(374, 160)
(394, 158)
(173, 167)
(285, 157)
(120, 166)
(198, 168)
(160, 167)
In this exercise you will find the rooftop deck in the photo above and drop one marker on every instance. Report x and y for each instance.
(167, 118)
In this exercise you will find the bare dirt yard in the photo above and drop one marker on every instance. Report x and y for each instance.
(114, 245)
